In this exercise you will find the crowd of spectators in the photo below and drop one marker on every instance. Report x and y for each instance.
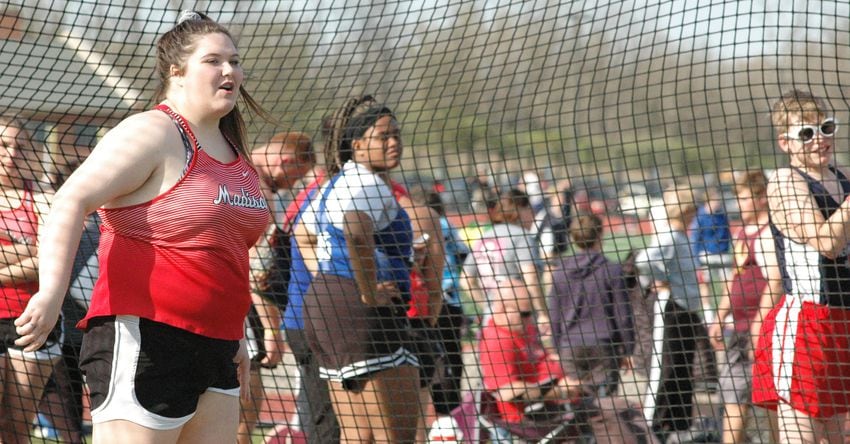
(532, 288)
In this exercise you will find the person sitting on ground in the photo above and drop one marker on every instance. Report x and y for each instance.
(515, 367)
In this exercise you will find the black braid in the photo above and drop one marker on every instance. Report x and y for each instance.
(336, 131)
(334, 127)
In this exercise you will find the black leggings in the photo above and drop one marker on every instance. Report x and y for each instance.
(674, 402)
(446, 388)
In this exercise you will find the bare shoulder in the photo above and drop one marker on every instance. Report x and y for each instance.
(781, 175)
(122, 163)
(145, 131)
(787, 184)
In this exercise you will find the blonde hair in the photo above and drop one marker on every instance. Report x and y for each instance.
(679, 203)
(795, 103)
(754, 181)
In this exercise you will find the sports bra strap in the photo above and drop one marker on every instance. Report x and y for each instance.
(190, 143)
(842, 179)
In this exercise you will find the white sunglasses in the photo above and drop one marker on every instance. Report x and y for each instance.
(807, 133)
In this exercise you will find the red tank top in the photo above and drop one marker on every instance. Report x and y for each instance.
(21, 224)
(748, 281)
(419, 298)
(182, 258)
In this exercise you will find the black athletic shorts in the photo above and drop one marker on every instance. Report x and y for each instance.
(151, 373)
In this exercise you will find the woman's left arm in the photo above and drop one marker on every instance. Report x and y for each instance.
(427, 221)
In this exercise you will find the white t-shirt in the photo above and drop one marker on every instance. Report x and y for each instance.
(500, 254)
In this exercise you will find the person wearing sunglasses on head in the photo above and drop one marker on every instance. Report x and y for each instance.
(804, 353)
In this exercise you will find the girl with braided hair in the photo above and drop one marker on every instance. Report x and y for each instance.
(354, 310)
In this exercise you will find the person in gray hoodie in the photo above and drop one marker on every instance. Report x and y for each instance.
(590, 310)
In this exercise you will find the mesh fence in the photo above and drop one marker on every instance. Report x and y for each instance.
(586, 182)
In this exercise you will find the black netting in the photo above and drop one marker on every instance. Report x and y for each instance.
(589, 186)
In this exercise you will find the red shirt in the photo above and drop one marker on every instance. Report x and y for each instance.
(182, 258)
(419, 298)
(295, 206)
(21, 224)
(507, 356)
(748, 281)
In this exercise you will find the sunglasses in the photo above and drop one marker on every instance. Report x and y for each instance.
(807, 133)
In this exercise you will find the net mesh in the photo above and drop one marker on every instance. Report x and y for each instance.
(589, 109)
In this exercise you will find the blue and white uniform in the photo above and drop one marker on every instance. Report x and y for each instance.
(349, 339)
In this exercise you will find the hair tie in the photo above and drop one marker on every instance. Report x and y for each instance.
(188, 15)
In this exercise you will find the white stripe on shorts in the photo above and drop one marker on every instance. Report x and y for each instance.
(401, 357)
(121, 402)
(783, 342)
(52, 353)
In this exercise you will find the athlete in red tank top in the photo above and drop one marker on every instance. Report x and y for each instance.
(21, 226)
(172, 259)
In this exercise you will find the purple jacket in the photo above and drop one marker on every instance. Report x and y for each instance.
(589, 304)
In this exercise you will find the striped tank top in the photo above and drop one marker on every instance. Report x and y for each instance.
(182, 258)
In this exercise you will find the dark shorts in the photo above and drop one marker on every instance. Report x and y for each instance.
(349, 339)
(51, 349)
(429, 349)
(150, 373)
(254, 337)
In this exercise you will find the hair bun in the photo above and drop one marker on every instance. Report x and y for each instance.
(188, 15)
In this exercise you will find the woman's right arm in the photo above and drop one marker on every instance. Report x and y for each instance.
(127, 165)
(359, 231)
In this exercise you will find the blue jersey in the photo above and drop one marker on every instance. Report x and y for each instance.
(394, 233)
(299, 278)
(456, 252)
(710, 233)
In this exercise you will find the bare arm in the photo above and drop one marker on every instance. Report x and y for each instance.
(306, 242)
(724, 305)
(24, 271)
(557, 389)
(270, 318)
(267, 311)
(472, 286)
(16, 252)
(427, 221)
(531, 279)
(774, 288)
(123, 169)
(795, 213)
(359, 231)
